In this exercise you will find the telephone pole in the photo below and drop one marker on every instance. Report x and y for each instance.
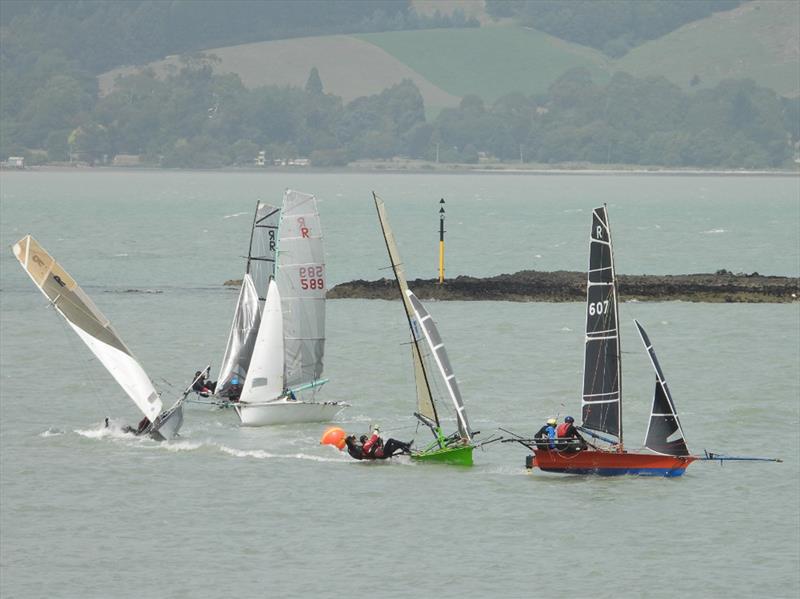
(441, 241)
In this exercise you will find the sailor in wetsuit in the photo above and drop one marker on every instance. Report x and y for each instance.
(545, 437)
(374, 447)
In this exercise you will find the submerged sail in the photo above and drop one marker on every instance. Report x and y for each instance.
(265, 378)
(664, 433)
(425, 405)
(89, 323)
(601, 405)
(439, 353)
(246, 317)
(301, 279)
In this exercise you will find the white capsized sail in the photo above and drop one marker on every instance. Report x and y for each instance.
(89, 323)
(264, 380)
(425, 405)
(247, 315)
(439, 353)
(301, 279)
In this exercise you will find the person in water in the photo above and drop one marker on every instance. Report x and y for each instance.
(374, 447)
(569, 439)
(545, 437)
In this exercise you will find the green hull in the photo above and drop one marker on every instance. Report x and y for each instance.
(459, 456)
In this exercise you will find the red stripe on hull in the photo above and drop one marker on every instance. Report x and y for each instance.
(610, 463)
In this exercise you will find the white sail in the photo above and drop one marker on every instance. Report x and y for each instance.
(242, 338)
(265, 380)
(439, 353)
(246, 317)
(89, 323)
(425, 405)
(302, 281)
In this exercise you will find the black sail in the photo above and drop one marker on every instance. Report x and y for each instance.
(601, 405)
(664, 433)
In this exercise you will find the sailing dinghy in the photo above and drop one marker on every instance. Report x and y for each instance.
(601, 406)
(284, 356)
(95, 330)
(430, 360)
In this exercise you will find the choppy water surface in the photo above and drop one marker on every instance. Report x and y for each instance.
(225, 511)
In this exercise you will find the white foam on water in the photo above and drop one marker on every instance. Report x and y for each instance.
(51, 432)
(260, 454)
(176, 446)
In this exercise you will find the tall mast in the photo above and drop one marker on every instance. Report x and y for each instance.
(423, 385)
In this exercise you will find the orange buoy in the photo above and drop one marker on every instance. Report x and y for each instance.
(333, 436)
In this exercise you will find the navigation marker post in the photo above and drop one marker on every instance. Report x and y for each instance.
(441, 241)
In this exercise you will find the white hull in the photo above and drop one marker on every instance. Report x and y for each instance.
(168, 423)
(287, 412)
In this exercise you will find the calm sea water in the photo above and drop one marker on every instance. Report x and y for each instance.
(226, 511)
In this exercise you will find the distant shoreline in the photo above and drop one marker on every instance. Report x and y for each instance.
(421, 168)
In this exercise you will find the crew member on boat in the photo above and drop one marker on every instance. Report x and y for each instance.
(202, 385)
(545, 437)
(569, 439)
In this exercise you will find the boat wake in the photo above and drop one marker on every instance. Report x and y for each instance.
(714, 231)
(235, 214)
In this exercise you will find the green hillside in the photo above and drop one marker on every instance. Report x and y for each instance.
(491, 61)
(759, 40)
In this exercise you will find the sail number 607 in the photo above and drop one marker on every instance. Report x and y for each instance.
(311, 277)
(598, 308)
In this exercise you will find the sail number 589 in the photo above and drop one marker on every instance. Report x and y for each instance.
(598, 307)
(311, 277)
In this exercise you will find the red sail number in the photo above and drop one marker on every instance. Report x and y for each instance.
(311, 277)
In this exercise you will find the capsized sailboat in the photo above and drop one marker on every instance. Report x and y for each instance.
(95, 330)
(601, 405)
(430, 360)
(287, 350)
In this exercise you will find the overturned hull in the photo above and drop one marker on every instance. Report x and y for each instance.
(609, 463)
(287, 412)
(168, 423)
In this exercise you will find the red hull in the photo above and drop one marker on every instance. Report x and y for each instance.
(607, 463)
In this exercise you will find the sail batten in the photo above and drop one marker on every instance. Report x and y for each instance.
(601, 405)
(91, 325)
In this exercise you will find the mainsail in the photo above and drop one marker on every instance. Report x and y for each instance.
(602, 377)
(301, 279)
(425, 406)
(439, 353)
(664, 433)
(89, 323)
(246, 317)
